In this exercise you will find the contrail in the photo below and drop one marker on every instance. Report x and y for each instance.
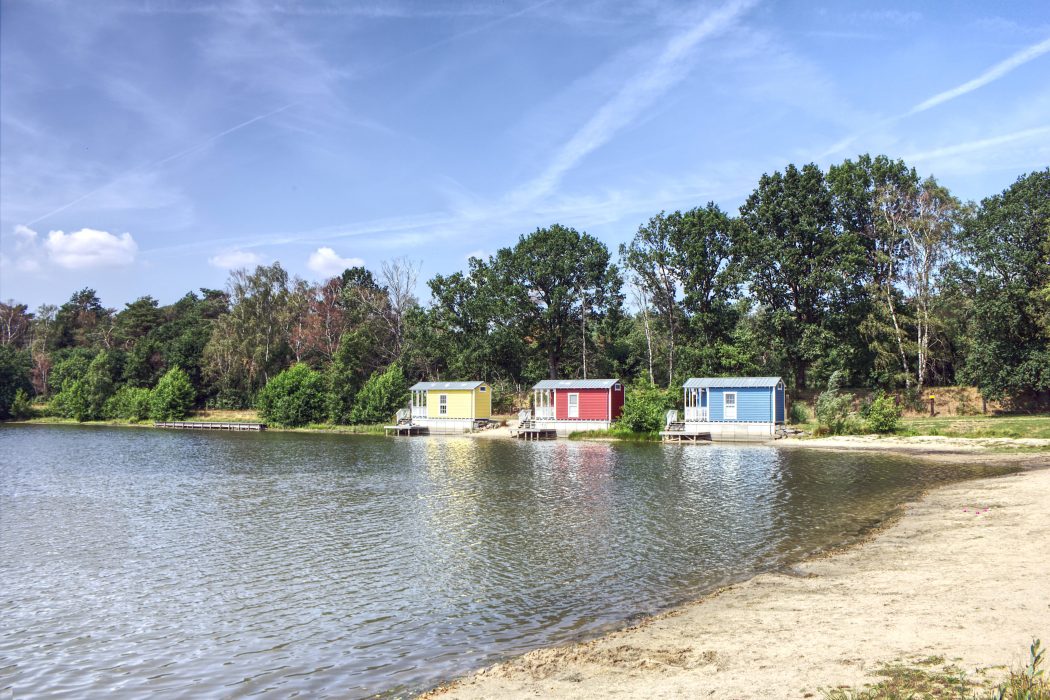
(162, 161)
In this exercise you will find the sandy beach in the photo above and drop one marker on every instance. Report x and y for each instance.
(963, 574)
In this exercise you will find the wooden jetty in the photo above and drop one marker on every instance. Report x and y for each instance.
(406, 429)
(676, 431)
(528, 430)
(206, 425)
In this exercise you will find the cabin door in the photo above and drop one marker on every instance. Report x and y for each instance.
(730, 405)
(574, 405)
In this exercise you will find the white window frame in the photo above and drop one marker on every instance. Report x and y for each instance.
(725, 405)
(442, 404)
(570, 406)
(482, 388)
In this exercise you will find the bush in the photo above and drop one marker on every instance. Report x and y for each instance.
(130, 403)
(14, 377)
(21, 406)
(85, 390)
(799, 413)
(381, 396)
(883, 414)
(644, 408)
(294, 397)
(173, 396)
(835, 410)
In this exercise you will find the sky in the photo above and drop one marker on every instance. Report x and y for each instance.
(151, 146)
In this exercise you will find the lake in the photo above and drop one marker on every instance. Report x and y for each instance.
(137, 562)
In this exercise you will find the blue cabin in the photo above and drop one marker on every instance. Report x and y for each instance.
(734, 407)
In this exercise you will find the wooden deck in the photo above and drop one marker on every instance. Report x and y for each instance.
(527, 430)
(207, 425)
(676, 432)
(406, 429)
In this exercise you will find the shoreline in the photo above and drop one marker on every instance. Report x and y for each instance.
(935, 581)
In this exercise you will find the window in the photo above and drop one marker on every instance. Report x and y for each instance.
(574, 405)
(482, 389)
(729, 404)
(616, 387)
(443, 404)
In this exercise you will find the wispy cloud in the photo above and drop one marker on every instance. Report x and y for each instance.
(991, 74)
(978, 145)
(994, 73)
(636, 94)
(149, 167)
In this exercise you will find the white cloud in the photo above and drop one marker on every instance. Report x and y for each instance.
(90, 248)
(994, 73)
(327, 263)
(234, 259)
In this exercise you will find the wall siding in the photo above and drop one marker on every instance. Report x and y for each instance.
(617, 402)
(594, 404)
(780, 406)
(483, 402)
(459, 403)
(753, 404)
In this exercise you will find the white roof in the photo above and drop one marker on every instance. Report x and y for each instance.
(576, 384)
(731, 382)
(447, 386)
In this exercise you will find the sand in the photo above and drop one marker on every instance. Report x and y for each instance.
(963, 574)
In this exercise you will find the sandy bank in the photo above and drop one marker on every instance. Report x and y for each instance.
(918, 443)
(943, 580)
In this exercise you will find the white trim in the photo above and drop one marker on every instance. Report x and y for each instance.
(725, 405)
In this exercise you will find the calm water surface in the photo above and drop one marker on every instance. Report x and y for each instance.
(135, 562)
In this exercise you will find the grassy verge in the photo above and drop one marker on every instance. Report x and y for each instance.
(1016, 427)
(933, 678)
(625, 435)
(247, 416)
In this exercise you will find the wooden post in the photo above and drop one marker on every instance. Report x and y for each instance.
(932, 412)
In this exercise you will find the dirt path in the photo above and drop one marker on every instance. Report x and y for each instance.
(964, 574)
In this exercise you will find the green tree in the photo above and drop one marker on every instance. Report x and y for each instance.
(84, 392)
(294, 397)
(344, 376)
(835, 409)
(130, 403)
(1008, 247)
(883, 415)
(557, 281)
(645, 407)
(14, 377)
(381, 397)
(801, 268)
(173, 397)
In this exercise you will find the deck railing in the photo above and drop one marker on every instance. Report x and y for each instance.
(696, 414)
(545, 412)
(419, 411)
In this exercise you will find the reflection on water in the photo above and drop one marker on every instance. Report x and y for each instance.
(136, 562)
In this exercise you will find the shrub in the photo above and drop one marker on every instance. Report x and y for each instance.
(799, 413)
(381, 396)
(294, 397)
(834, 409)
(14, 377)
(21, 406)
(644, 408)
(173, 396)
(85, 390)
(130, 403)
(883, 414)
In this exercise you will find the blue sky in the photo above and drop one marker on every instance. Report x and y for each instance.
(148, 146)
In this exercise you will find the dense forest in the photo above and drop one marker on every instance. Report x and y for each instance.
(867, 272)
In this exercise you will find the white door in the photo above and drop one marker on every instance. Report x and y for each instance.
(574, 405)
(729, 405)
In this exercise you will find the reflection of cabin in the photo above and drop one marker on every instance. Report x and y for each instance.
(574, 405)
(729, 408)
(451, 407)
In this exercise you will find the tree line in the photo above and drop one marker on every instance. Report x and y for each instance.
(866, 272)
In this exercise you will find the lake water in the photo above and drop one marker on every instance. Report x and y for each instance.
(137, 562)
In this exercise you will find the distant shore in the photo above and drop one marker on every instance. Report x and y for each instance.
(959, 579)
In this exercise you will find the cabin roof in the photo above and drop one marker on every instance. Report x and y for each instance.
(731, 382)
(576, 384)
(447, 386)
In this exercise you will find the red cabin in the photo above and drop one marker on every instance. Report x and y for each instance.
(571, 405)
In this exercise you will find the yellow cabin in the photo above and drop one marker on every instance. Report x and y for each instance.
(452, 406)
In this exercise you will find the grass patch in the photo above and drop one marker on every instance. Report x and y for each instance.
(920, 680)
(1037, 426)
(623, 435)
